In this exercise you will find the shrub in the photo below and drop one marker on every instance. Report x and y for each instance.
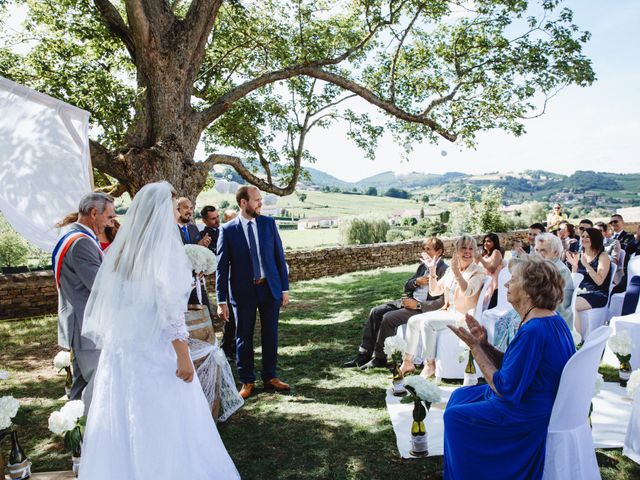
(361, 231)
(395, 235)
(14, 251)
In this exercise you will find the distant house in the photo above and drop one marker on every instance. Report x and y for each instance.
(511, 210)
(317, 222)
(271, 211)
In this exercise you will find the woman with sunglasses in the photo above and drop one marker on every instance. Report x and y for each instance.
(554, 218)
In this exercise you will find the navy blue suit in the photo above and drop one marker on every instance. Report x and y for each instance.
(235, 285)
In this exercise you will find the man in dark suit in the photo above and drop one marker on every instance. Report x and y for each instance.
(211, 219)
(385, 319)
(191, 236)
(252, 276)
(76, 260)
(625, 238)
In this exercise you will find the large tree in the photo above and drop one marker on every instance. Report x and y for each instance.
(252, 77)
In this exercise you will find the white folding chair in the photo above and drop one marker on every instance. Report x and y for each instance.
(617, 299)
(577, 280)
(489, 317)
(570, 453)
(596, 317)
(631, 447)
(448, 346)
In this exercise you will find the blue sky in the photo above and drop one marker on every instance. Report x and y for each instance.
(594, 128)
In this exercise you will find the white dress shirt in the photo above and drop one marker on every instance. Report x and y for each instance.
(245, 228)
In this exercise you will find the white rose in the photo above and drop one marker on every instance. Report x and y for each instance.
(9, 406)
(633, 383)
(5, 422)
(73, 410)
(4, 374)
(62, 360)
(59, 423)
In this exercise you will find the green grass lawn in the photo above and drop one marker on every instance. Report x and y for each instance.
(326, 204)
(312, 238)
(333, 425)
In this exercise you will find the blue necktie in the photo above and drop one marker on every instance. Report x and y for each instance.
(253, 249)
(186, 233)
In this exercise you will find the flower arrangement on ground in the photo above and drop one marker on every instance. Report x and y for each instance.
(19, 465)
(423, 393)
(70, 422)
(620, 345)
(62, 361)
(394, 348)
(633, 383)
(596, 390)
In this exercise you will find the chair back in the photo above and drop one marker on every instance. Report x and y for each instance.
(503, 277)
(480, 305)
(631, 303)
(571, 406)
(614, 268)
(577, 280)
(633, 267)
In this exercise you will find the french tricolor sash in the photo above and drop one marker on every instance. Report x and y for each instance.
(62, 247)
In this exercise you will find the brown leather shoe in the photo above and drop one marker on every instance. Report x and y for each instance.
(277, 385)
(247, 390)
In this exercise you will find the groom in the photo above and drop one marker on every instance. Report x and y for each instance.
(252, 276)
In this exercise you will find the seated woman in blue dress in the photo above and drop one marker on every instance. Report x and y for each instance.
(499, 430)
(595, 265)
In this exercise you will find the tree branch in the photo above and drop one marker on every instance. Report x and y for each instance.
(392, 87)
(244, 172)
(116, 24)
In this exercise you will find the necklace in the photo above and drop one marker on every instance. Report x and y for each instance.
(525, 316)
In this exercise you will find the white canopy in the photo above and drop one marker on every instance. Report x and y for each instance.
(45, 166)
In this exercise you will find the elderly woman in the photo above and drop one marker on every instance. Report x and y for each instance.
(595, 265)
(498, 430)
(461, 286)
(549, 247)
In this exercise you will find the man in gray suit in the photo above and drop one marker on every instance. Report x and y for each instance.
(77, 258)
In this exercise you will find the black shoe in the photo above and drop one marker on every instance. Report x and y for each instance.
(375, 362)
(360, 360)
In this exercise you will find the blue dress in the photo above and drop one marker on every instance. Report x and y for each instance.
(503, 437)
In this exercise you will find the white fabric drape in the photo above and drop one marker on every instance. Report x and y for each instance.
(45, 164)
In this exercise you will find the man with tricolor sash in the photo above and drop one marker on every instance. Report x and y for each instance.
(76, 260)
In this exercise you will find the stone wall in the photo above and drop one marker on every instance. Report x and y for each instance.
(31, 294)
(27, 295)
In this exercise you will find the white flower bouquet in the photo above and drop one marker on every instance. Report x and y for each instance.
(423, 389)
(620, 344)
(598, 385)
(70, 423)
(62, 360)
(203, 261)
(394, 345)
(577, 338)
(633, 383)
(8, 408)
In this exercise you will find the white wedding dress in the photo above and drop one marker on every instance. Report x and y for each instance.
(144, 423)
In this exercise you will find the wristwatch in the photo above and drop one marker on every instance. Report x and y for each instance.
(418, 306)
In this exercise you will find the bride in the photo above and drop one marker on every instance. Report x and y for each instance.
(149, 418)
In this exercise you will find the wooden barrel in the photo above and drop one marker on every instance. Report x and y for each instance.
(199, 323)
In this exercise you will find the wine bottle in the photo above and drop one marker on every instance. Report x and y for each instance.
(470, 368)
(19, 466)
(470, 377)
